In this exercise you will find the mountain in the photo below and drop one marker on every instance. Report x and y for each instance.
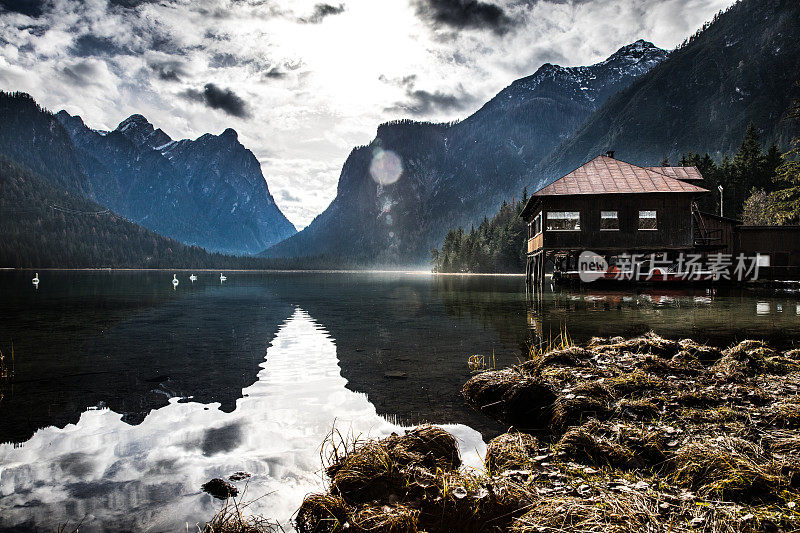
(43, 225)
(34, 138)
(454, 174)
(742, 67)
(207, 192)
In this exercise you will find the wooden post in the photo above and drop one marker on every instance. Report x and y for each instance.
(540, 273)
(528, 273)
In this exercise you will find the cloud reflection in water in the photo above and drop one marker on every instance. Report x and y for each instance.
(147, 477)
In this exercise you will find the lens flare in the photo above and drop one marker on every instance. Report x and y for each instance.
(386, 167)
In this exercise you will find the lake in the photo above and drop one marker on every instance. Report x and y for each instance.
(127, 394)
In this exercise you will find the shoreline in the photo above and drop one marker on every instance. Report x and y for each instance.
(278, 271)
(618, 435)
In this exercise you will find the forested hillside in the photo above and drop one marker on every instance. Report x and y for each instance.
(43, 226)
(760, 186)
(496, 245)
(33, 137)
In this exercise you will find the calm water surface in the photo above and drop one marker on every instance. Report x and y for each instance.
(127, 394)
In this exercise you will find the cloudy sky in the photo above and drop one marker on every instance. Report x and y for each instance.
(303, 81)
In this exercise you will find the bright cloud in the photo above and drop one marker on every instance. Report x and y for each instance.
(303, 81)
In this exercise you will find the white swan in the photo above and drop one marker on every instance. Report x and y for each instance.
(222, 278)
(35, 279)
(192, 278)
(175, 280)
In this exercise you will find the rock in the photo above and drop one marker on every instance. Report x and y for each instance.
(220, 489)
(395, 374)
(238, 476)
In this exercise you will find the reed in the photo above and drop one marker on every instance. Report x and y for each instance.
(235, 517)
(6, 365)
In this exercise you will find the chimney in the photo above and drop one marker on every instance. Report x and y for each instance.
(610, 154)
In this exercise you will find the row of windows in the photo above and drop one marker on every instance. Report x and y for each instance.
(571, 221)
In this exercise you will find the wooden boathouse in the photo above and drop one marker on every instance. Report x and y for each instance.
(612, 207)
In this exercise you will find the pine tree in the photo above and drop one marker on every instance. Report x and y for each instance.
(750, 165)
(772, 161)
(786, 199)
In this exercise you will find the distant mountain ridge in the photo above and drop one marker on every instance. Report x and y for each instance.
(742, 67)
(208, 192)
(455, 174)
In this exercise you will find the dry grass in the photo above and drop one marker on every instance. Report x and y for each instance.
(575, 408)
(728, 468)
(510, 451)
(637, 383)
(361, 472)
(511, 395)
(234, 517)
(747, 358)
(362, 475)
(603, 511)
(386, 519)
(322, 513)
(684, 418)
(786, 413)
(406, 483)
(427, 446)
(644, 434)
(587, 444)
(640, 409)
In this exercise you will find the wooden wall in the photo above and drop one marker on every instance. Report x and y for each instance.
(722, 227)
(781, 243)
(674, 216)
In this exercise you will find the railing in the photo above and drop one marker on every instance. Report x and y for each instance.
(709, 237)
(535, 243)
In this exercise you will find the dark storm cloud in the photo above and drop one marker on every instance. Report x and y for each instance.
(32, 8)
(421, 102)
(168, 70)
(218, 98)
(465, 14)
(90, 45)
(321, 11)
(282, 70)
(267, 69)
(274, 73)
(288, 196)
(130, 4)
(81, 73)
(224, 60)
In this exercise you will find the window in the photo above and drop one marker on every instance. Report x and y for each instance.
(647, 221)
(609, 221)
(563, 221)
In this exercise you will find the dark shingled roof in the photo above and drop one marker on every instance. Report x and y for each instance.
(606, 175)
